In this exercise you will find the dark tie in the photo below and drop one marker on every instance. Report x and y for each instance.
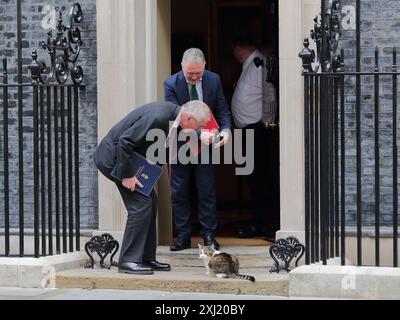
(193, 93)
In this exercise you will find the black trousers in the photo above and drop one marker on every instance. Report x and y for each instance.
(140, 237)
(262, 182)
(257, 179)
(181, 199)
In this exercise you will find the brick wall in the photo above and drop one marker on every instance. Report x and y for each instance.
(380, 26)
(36, 20)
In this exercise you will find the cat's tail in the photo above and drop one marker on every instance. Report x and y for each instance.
(245, 277)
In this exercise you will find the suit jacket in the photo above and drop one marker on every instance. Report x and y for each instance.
(129, 135)
(176, 91)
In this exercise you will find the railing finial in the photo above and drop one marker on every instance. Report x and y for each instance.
(326, 52)
(37, 69)
(307, 56)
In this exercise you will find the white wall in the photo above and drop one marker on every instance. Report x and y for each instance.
(127, 78)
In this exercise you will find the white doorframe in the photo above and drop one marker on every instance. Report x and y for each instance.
(295, 23)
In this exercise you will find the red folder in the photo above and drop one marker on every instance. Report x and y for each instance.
(211, 125)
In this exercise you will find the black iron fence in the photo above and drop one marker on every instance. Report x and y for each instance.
(348, 149)
(326, 143)
(48, 154)
(40, 141)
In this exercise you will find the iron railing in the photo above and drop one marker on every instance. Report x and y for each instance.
(47, 127)
(53, 167)
(329, 198)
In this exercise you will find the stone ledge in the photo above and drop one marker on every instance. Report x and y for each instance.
(37, 272)
(348, 282)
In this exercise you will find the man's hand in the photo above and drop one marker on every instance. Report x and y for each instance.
(131, 183)
(224, 139)
(207, 137)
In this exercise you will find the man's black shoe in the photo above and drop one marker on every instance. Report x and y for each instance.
(181, 245)
(134, 268)
(157, 266)
(209, 240)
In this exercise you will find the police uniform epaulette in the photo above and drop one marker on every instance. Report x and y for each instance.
(258, 62)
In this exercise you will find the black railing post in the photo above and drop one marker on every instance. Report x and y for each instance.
(20, 131)
(377, 156)
(331, 164)
(76, 171)
(324, 167)
(63, 171)
(49, 171)
(342, 170)
(307, 57)
(42, 170)
(323, 36)
(395, 164)
(336, 160)
(307, 164)
(317, 126)
(312, 171)
(70, 176)
(358, 133)
(57, 169)
(6, 162)
(36, 185)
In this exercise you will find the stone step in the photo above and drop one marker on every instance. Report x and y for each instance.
(248, 257)
(179, 279)
(187, 275)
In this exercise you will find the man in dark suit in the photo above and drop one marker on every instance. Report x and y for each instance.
(138, 249)
(196, 83)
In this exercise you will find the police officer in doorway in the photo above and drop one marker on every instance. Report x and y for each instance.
(254, 107)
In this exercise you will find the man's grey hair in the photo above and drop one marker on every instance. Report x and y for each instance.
(198, 110)
(193, 55)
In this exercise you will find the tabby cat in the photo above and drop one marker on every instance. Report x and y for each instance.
(221, 264)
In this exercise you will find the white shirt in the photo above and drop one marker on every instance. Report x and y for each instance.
(173, 130)
(254, 98)
(171, 141)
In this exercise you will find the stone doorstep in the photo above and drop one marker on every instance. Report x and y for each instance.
(256, 257)
(249, 257)
(190, 258)
(187, 275)
(179, 279)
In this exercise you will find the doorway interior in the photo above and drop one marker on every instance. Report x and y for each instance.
(210, 25)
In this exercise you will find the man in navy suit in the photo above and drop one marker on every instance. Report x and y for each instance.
(196, 83)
